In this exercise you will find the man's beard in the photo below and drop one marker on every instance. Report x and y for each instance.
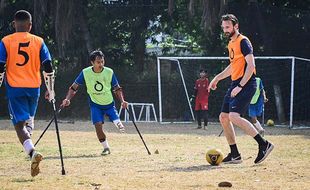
(230, 34)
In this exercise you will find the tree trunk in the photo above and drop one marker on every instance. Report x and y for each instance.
(39, 14)
(138, 42)
(212, 10)
(64, 23)
(85, 29)
(191, 7)
(2, 5)
(170, 7)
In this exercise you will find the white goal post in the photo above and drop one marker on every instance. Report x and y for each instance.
(292, 60)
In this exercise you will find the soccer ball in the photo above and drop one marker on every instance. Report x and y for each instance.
(270, 122)
(214, 156)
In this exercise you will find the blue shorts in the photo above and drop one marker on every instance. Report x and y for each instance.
(22, 107)
(239, 103)
(256, 110)
(97, 113)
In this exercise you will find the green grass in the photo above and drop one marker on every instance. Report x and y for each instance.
(180, 163)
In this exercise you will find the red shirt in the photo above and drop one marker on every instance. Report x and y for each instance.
(201, 85)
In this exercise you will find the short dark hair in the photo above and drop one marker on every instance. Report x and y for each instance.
(203, 70)
(230, 17)
(94, 54)
(22, 15)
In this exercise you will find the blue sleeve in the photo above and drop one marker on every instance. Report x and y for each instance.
(246, 47)
(44, 54)
(3, 54)
(80, 79)
(114, 81)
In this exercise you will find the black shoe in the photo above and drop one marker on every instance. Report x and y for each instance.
(199, 127)
(105, 152)
(232, 160)
(263, 152)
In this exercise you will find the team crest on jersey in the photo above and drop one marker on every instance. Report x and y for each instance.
(98, 86)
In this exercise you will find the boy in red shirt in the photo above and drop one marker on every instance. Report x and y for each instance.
(202, 98)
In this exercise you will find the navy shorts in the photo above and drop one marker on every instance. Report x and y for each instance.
(240, 102)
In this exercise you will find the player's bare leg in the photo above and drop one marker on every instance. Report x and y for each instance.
(258, 126)
(25, 140)
(102, 138)
(264, 146)
(244, 124)
(30, 125)
(234, 156)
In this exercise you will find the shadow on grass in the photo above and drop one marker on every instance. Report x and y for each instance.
(22, 180)
(69, 157)
(193, 168)
(209, 167)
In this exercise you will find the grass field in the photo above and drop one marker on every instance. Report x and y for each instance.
(180, 163)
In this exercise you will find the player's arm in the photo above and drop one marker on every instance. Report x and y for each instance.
(264, 96)
(118, 91)
(70, 94)
(48, 72)
(249, 69)
(193, 97)
(247, 51)
(49, 78)
(1, 73)
(73, 90)
(3, 56)
(222, 75)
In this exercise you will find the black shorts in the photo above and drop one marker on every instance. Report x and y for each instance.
(240, 102)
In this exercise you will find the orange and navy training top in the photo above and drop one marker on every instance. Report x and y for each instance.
(23, 54)
(238, 49)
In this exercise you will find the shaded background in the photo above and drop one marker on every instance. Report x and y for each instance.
(133, 33)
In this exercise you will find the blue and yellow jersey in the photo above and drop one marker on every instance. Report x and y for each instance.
(23, 54)
(81, 80)
(238, 49)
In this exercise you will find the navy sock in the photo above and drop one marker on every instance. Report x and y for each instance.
(259, 139)
(234, 150)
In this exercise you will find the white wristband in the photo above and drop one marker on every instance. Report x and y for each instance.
(1, 78)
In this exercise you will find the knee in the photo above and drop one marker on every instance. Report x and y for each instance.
(233, 117)
(253, 119)
(223, 117)
(98, 125)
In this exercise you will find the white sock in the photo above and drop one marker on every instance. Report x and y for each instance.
(258, 126)
(28, 146)
(30, 124)
(105, 144)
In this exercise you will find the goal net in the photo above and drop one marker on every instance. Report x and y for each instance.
(285, 81)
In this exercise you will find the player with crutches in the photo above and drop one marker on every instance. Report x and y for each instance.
(23, 54)
(99, 80)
